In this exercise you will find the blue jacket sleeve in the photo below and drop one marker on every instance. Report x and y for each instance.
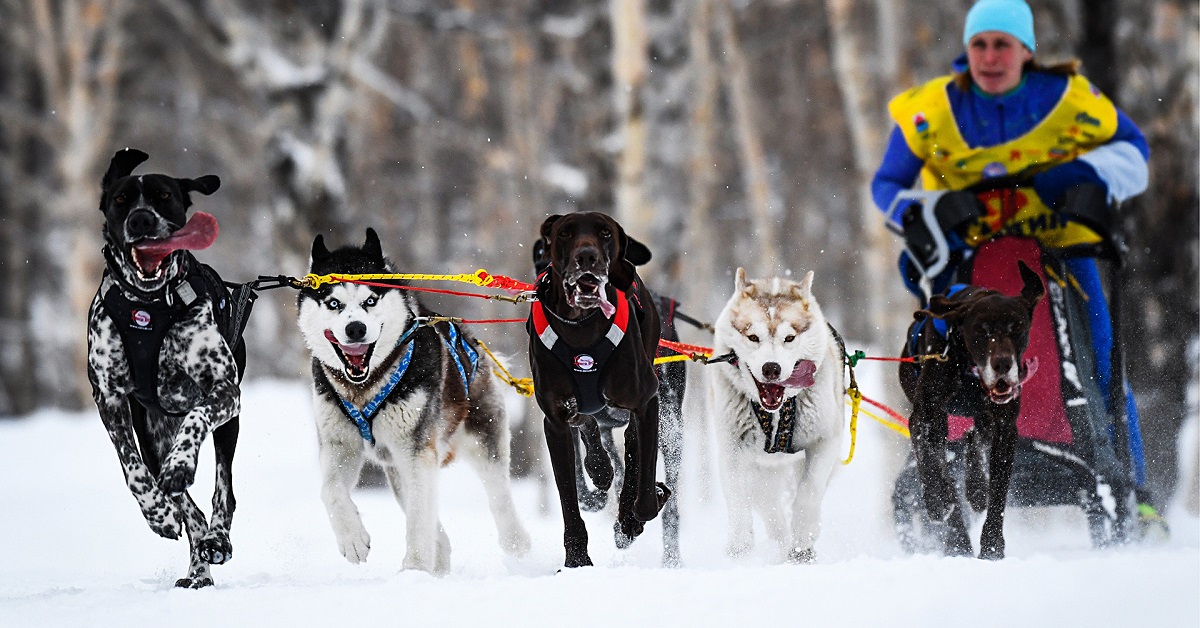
(897, 173)
(1119, 166)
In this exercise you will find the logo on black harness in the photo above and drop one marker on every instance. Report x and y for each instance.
(585, 363)
(141, 319)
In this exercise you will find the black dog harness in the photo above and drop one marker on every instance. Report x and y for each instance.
(144, 320)
(585, 364)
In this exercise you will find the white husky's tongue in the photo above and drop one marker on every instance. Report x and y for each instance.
(803, 376)
(199, 233)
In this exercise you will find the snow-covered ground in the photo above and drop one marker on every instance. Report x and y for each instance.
(74, 551)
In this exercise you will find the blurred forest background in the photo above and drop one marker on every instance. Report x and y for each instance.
(723, 133)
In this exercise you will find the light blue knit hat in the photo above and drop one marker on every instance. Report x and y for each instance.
(1007, 16)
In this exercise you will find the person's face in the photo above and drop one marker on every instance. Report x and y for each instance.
(996, 59)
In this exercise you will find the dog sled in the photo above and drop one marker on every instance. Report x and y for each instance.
(1073, 446)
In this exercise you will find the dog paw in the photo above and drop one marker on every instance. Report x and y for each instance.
(164, 520)
(646, 509)
(193, 583)
(958, 543)
(176, 478)
(516, 543)
(799, 556)
(216, 550)
(625, 531)
(593, 501)
(355, 545)
(577, 559)
(599, 468)
(739, 546)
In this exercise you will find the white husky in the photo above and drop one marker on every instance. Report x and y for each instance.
(406, 394)
(777, 408)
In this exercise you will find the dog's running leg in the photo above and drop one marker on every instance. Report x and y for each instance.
(1004, 446)
(767, 499)
(595, 460)
(491, 463)
(651, 496)
(340, 450)
(561, 443)
(199, 574)
(215, 547)
(819, 461)
(671, 444)
(222, 403)
(418, 471)
(737, 483)
(158, 509)
(929, 432)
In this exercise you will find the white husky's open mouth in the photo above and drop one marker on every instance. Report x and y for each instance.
(770, 394)
(356, 358)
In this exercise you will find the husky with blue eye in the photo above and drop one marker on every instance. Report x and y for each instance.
(409, 394)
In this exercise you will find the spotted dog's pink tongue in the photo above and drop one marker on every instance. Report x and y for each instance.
(199, 233)
(803, 376)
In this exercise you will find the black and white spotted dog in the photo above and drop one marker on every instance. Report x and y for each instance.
(163, 358)
(407, 394)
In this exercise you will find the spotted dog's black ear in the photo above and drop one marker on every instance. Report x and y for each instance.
(1033, 290)
(371, 247)
(121, 165)
(637, 253)
(205, 185)
(319, 251)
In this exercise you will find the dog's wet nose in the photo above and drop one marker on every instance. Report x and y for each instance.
(356, 331)
(1002, 364)
(771, 371)
(141, 222)
(586, 257)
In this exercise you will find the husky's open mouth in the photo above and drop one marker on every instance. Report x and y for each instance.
(770, 394)
(586, 290)
(148, 255)
(356, 358)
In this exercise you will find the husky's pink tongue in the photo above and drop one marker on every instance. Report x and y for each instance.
(199, 233)
(803, 376)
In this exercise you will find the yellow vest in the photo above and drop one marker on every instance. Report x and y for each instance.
(1083, 119)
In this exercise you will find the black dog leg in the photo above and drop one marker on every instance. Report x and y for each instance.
(671, 444)
(596, 459)
(1004, 446)
(941, 502)
(589, 499)
(561, 443)
(651, 495)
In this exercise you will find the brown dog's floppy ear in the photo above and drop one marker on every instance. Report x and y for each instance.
(621, 271)
(547, 226)
(1033, 291)
(372, 247)
(945, 309)
(637, 253)
(319, 251)
(205, 185)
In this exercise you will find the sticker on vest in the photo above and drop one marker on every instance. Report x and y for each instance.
(919, 121)
(141, 320)
(585, 363)
(994, 169)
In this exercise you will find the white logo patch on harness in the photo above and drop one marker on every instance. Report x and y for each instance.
(585, 363)
(141, 319)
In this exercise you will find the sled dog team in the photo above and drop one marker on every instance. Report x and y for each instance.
(391, 385)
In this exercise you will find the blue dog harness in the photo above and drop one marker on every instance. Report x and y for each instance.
(362, 418)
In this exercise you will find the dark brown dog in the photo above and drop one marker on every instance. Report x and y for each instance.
(984, 368)
(593, 337)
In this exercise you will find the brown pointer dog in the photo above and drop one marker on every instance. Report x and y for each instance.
(593, 336)
(985, 345)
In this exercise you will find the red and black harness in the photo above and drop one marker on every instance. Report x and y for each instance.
(586, 364)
